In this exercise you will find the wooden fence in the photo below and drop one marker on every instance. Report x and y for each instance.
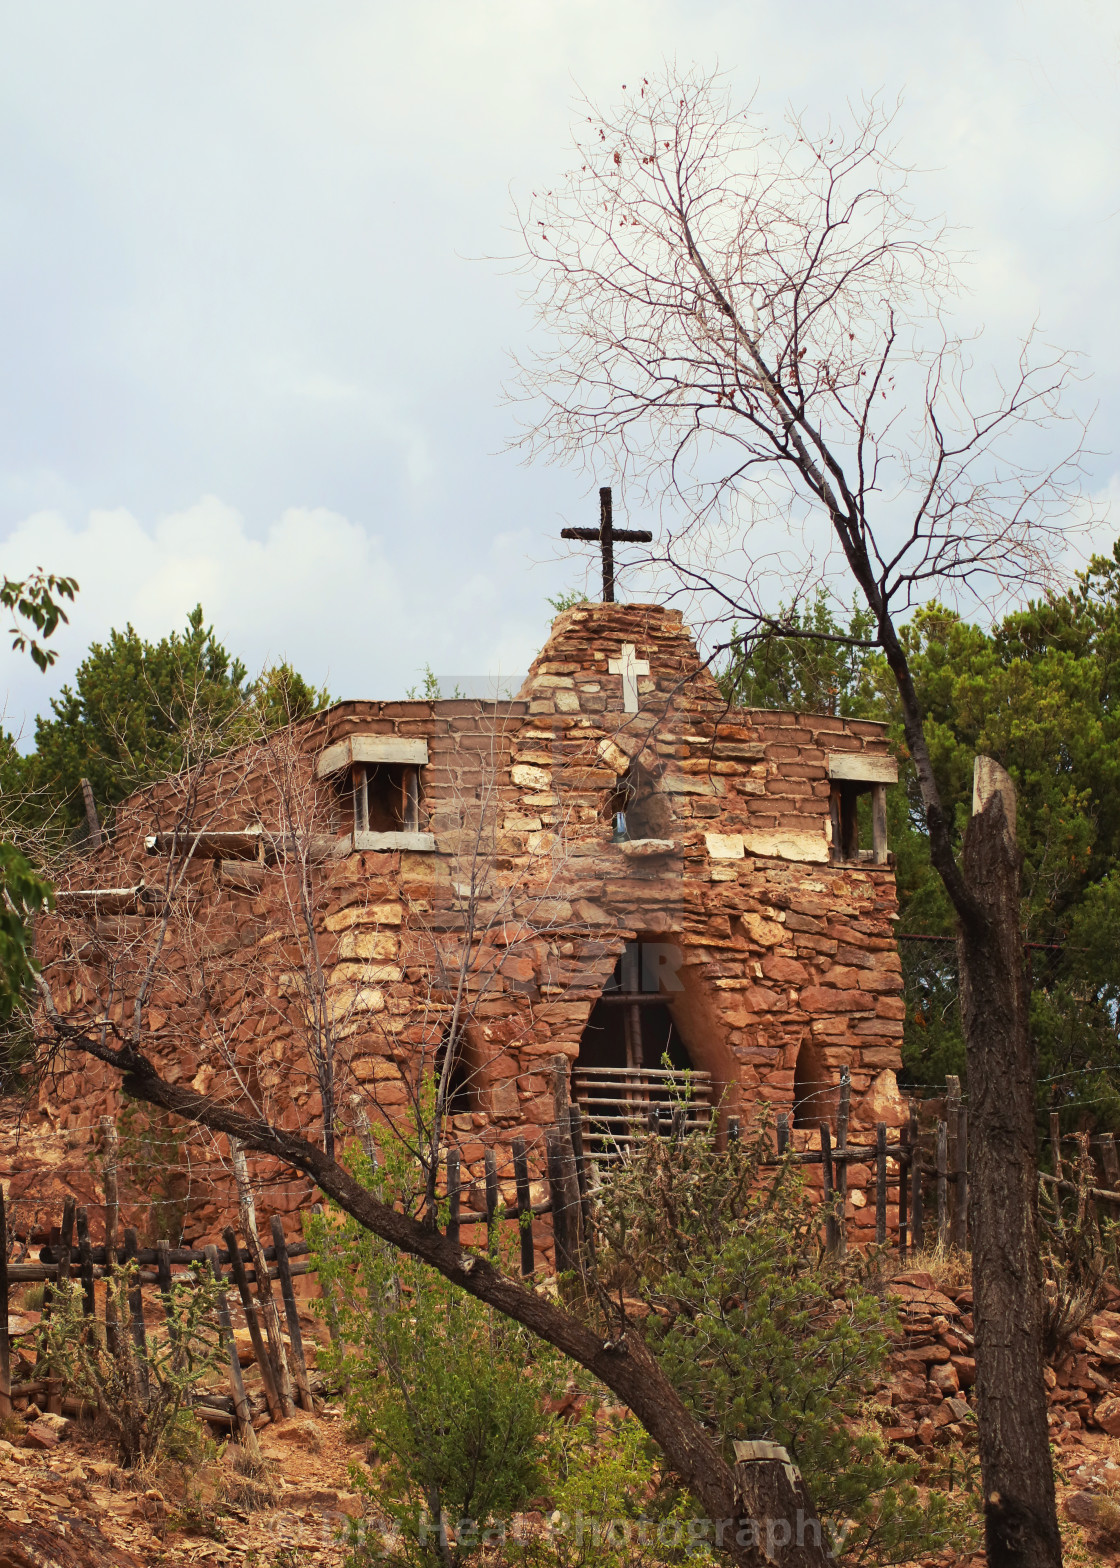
(250, 1264)
(927, 1168)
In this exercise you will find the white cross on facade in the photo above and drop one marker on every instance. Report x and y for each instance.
(629, 668)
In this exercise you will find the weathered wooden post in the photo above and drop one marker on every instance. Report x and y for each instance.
(85, 1262)
(562, 1170)
(562, 1239)
(110, 1146)
(454, 1195)
(365, 1135)
(943, 1186)
(843, 1115)
(575, 1126)
(917, 1212)
(960, 1210)
(881, 1184)
(831, 1238)
(291, 1313)
(524, 1206)
(1056, 1153)
(241, 1410)
(783, 1133)
(774, 1501)
(252, 1322)
(136, 1316)
(490, 1166)
(62, 1279)
(904, 1157)
(247, 1214)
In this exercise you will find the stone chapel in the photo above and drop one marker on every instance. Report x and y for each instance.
(677, 897)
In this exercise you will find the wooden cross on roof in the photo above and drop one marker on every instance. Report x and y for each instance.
(605, 536)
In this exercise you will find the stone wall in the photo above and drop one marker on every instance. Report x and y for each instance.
(786, 967)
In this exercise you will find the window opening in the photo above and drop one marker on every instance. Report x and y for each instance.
(386, 797)
(859, 821)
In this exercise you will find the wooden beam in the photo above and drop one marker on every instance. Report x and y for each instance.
(861, 767)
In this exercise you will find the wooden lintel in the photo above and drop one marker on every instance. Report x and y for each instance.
(861, 767)
(209, 844)
(371, 748)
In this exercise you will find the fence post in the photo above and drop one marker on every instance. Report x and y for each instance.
(943, 1185)
(575, 1126)
(490, 1167)
(904, 1160)
(252, 1321)
(163, 1273)
(960, 1205)
(524, 1206)
(561, 1218)
(881, 1184)
(136, 1316)
(112, 1215)
(291, 1312)
(454, 1195)
(85, 1263)
(236, 1381)
(830, 1237)
(917, 1215)
(247, 1212)
(62, 1277)
(843, 1115)
(783, 1133)
(5, 1356)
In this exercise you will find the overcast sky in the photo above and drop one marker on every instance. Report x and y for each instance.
(251, 357)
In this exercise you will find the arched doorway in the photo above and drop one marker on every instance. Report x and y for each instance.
(634, 1063)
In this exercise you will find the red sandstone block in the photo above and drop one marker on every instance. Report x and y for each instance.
(890, 1007)
(885, 1056)
(842, 978)
(808, 944)
(881, 980)
(822, 999)
(784, 970)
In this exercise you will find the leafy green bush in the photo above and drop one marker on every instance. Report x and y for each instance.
(147, 1404)
(762, 1335)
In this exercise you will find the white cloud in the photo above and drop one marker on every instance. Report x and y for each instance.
(315, 589)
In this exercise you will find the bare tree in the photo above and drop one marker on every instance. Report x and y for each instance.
(756, 326)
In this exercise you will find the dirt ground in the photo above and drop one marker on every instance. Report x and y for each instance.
(77, 1487)
(111, 1520)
